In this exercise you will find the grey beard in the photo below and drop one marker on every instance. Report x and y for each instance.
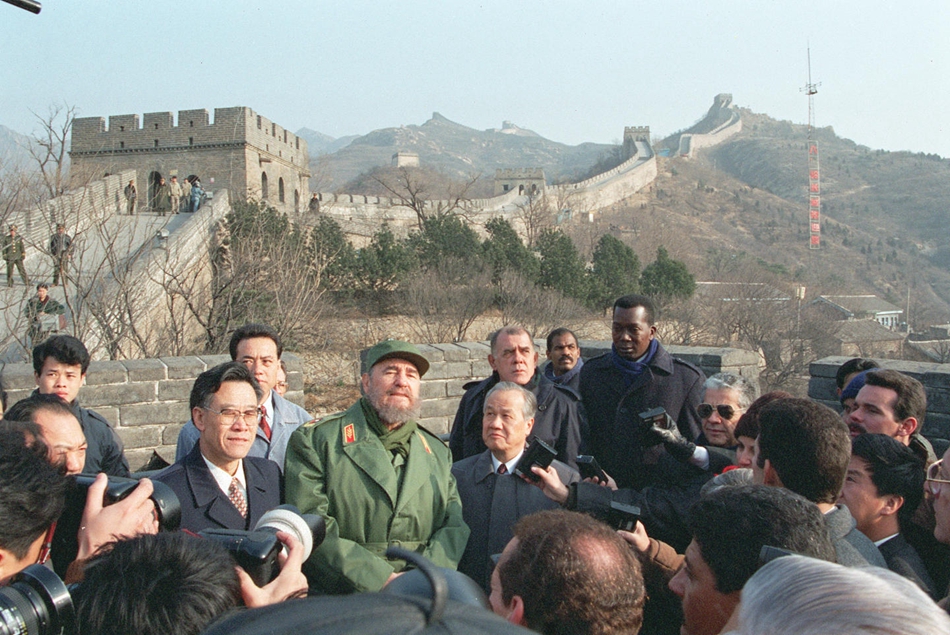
(393, 415)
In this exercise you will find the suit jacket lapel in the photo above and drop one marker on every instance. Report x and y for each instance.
(255, 492)
(208, 496)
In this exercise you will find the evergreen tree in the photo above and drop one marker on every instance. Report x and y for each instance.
(446, 237)
(332, 257)
(616, 272)
(561, 267)
(667, 279)
(385, 262)
(504, 251)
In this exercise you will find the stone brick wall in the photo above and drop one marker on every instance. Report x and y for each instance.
(454, 365)
(934, 377)
(145, 400)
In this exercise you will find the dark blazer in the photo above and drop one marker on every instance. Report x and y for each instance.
(613, 433)
(559, 420)
(902, 558)
(204, 505)
(491, 505)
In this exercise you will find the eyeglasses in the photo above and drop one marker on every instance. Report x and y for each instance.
(230, 416)
(725, 411)
(934, 484)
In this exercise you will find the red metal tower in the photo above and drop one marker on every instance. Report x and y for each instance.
(814, 172)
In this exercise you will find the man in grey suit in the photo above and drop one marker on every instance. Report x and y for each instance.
(259, 348)
(493, 499)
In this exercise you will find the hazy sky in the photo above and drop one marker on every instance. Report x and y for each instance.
(571, 71)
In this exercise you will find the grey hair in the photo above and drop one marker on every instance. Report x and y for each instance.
(530, 404)
(732, 478)
(747, 389)
(795, 595)
(511, 330)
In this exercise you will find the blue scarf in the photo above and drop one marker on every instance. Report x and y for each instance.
(566, 377)
(632, 370)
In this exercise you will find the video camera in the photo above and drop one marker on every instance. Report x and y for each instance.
(65, 545)
(256, 550)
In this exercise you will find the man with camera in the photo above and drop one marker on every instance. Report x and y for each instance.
(377, 478)
(493, 496)
(217, 483)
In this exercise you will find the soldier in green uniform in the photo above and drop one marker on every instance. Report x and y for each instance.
(38, 309)
(14, 252)
(377, 478)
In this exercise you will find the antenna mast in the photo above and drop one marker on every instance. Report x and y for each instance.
(814, 173)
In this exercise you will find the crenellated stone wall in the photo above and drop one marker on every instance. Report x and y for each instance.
(934, 377)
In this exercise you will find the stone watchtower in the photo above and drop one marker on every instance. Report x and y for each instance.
(241, 152)
(526, 180)
(631, 135)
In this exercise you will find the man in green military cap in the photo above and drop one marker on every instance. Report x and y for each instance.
(377, 478)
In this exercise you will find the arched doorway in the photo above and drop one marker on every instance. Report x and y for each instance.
(280, 189)
(264, 186)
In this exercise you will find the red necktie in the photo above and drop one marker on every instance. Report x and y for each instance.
(502, 469)
(265, 427)
(237, 497)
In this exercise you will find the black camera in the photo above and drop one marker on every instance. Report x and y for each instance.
(256, 550)
(36, 602)
(65, 546)
(590, 468)
(622, 516)
(538, 454)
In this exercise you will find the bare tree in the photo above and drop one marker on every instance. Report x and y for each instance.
(443, 302)
(50, 146)
(536, 213)
(535, 308)
(428, 194)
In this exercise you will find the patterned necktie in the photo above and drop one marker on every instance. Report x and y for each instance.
(237, 496)
(502, 468)
(265, 427)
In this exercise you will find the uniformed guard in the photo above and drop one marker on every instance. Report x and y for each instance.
(377, 478)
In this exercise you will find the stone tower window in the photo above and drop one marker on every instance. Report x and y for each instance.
(156, 143)
(191, 141)
(191, 124)
(258, 122)
(156, 126)
(121, 144)
(121, 128)
(280, 189)
(264, 185)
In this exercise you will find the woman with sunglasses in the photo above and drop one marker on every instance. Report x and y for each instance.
(937, 485)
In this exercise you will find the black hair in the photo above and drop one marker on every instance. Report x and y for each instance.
(732, 524)
(911, 396)
(26, 409)
(209, 382)
(855, 365)
(808, 445)
(161, 584)
(634, 300)
(895, 470)
(748, 424)
(561, 330)
(249, 331)
(65, 349)
(32, 493)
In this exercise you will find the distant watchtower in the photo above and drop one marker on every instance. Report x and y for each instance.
(631, 135)
(241, 152)
(526, 180)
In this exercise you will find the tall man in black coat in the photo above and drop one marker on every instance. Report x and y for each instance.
(636, 375)
(559, 420)
(493, 498)
(217, 484)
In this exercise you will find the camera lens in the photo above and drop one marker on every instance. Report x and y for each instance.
(36, 602)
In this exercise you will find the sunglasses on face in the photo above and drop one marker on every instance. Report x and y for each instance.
(725, 411)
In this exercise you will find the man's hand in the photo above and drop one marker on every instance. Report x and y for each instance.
(638, 538)
(102, 525)
(610, 482)
(674, 442)
(550, 484)
(290, 582)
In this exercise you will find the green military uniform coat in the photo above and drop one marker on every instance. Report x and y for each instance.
(339, 469)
